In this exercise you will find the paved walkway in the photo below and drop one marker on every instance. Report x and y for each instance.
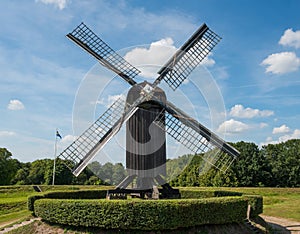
(283, 225)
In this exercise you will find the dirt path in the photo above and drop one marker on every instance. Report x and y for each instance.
(282, 225)
(279, 225)
(18, 225)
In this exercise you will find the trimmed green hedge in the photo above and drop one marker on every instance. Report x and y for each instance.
(142, 214)
(79, 194)
(206, 193)
(202, 207)
(256, 204)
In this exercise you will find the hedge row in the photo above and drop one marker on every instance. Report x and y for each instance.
(256, 204)
(207, 193)
(79, 194)
(254, 201)
(142, 214)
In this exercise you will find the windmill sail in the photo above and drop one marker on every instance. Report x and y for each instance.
(196, 137)
(84, 148)
(89, 41)
(188, 57)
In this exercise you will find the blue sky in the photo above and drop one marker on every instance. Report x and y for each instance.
(45, 77)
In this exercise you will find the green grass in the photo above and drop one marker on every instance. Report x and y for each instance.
(278, 202)
(13, 201)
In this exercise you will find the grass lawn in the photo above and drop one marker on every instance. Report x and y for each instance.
(278, 202)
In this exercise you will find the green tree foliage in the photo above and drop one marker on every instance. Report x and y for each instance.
(21, 176)
(8, 167)
(38, 170)
(272, 166)
(251, 167)
(109, 173)
(284, 162)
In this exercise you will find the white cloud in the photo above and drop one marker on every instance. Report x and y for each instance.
(232, 126)
(112, 98)
(241, 112)
(282, 129)
(263, 125)
(208, 62)
(7, 133)
(15, 105)
(290, 38)
(281, 63)
(157, 54)
(61, 4)
(68, 139)
(294, 135)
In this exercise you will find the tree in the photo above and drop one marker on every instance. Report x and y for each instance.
(250, 168)
(63, 175)
(38, 170)
(21, 176)
(107, 172)
(119, 173)
(283, 160)
(8, 167)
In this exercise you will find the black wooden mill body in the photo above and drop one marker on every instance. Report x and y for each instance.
(145, 141)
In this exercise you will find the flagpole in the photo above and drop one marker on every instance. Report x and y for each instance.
(55, 150)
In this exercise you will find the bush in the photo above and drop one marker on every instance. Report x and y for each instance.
(142, 214)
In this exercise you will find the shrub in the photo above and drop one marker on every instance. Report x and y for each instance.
(142, 214)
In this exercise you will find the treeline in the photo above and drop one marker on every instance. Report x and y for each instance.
(41, 172)
(271, 166)
(275, 165)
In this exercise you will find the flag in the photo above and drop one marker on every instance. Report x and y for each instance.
(58, 135)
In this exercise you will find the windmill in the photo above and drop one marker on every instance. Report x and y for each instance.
(148, 116)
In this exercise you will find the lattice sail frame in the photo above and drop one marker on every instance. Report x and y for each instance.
(175, 71)
(90, 42)
(84, 148)
(188, 57)
(196, 137)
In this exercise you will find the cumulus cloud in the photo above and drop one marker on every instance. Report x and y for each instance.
(159, 52)
(61, 4)
(290, 38)
(241, 112)
(282, 129)
(68, 139)
(15, 105)
(281, 63)
(208, 62)
(232, 127)
(294, 135)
